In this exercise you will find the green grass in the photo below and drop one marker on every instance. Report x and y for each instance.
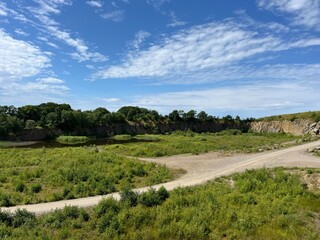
(257, 204)
(72, 139)
(122, 137)
(189, 142)
(314, 116)
(41, 175)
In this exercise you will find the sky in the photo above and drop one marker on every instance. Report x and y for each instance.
(250, 58)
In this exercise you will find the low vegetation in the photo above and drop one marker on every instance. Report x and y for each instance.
(182, 142)
(41, 175)
(314, 116)
(72, 139)
(257, 204)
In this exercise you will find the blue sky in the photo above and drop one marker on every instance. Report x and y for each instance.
(249, 58)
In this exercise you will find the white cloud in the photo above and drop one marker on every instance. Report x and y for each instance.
(5, 11)
(245, 98)
(175, 21)
(19, 59)
(111, 100)
(157, 3)
(50, 80)
(140, 37)
(21, 32)
(115, 16)
(96, 3)
(303, 12)
(200, 47)
(278, 72)
(42, 13)
(203, 48)
(47, 7)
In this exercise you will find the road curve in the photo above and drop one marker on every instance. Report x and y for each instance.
(200, 169)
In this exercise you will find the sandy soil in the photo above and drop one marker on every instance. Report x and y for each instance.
(200, 169)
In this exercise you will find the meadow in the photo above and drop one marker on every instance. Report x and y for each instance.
(41, 175)
(256, 204)
(181, 142)
(49, 174)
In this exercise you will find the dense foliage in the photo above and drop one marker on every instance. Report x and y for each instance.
(181, 142)
(41, 175)
(257, 204)
(63, 117)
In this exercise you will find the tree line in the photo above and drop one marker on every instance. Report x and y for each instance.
(62, 116)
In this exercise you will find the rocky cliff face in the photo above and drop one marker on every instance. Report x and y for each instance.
(296, 127)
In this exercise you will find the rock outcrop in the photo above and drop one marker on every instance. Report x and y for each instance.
(296, 127)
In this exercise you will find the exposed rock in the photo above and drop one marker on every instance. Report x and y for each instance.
(297, 127)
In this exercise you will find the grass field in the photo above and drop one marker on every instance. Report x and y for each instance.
(41, 175)
(257, 204)
(189, 142)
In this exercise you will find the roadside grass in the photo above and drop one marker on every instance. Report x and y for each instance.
(193, 143)
(41, 175)
(256, 204)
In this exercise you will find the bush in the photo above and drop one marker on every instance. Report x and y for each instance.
(152, 197)
(5, 218)
(129, 197)
(23, 217)
(107, 205)
(5, 200)
(36, 188)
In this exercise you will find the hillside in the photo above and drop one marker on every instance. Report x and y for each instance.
(311, 115)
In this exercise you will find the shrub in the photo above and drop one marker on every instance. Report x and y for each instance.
(20, 187)
(5, 200)
(107, 205)
(129, 197)
(5, 218)
(36, 188)
(23, 217)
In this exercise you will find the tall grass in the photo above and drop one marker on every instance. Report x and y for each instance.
(257, 204)
(41, 175)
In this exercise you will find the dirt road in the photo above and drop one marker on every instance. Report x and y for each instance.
(201, 168)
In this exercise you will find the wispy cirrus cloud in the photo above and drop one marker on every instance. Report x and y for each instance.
(199, 48)
(96, 3)
(139, 38)
(302, 12)
(157, 3)
(43, 12)
(5, 11)
(115, 16)
(21, 32)
(175, 21)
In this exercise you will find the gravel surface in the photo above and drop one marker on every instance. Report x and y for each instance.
(200, 169)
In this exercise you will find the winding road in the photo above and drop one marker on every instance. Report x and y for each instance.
(200, 169)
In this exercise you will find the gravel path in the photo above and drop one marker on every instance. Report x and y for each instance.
(200, 169)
